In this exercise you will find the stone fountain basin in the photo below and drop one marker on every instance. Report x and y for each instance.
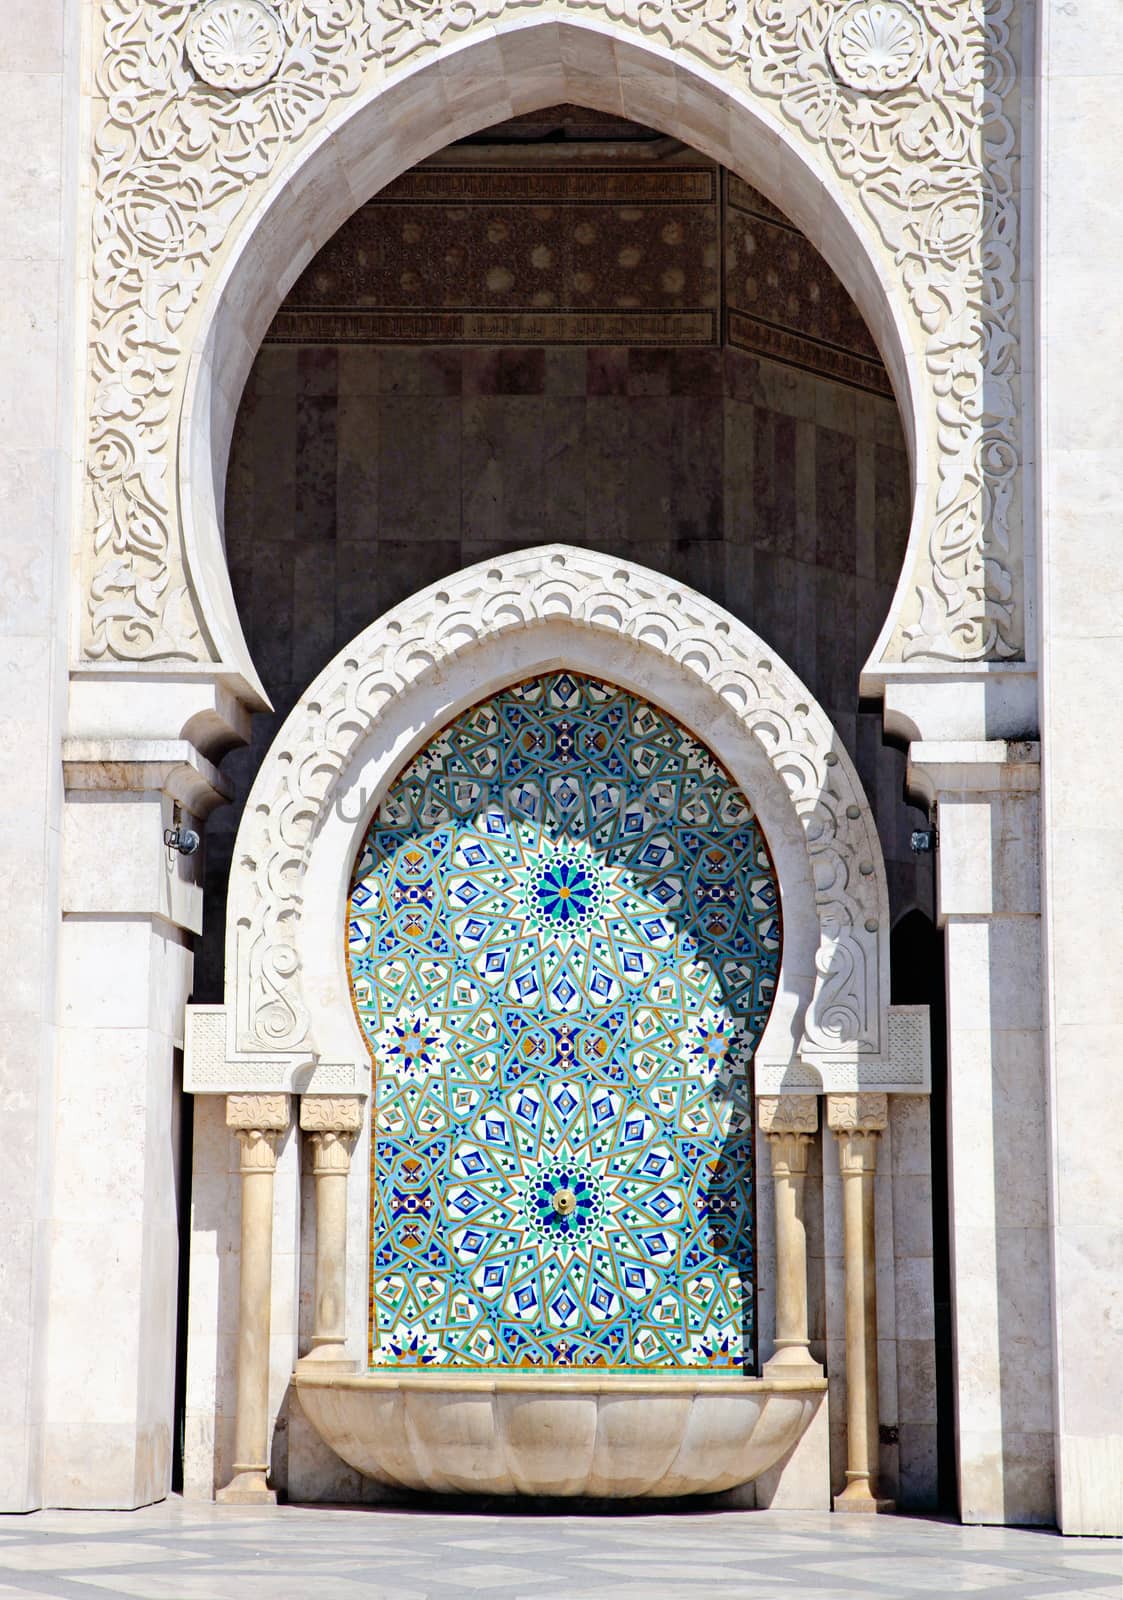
(557, 1433)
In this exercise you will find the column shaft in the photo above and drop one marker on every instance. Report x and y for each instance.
(789, 1122)
(258, 1120)
(857, 1121)
(331, 1124)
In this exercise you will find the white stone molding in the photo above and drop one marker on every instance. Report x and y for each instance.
(212, 1066)
(287, 998)
(198, 230)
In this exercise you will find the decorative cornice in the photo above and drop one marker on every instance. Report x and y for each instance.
(931, 159)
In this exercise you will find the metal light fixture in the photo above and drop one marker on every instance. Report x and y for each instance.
(185, 840)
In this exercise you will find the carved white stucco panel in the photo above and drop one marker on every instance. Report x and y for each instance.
(925, 158)
(286, 986)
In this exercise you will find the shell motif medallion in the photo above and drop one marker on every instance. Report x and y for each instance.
(876, 45)
(235, 44)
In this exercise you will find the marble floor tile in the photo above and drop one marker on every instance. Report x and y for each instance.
(190, 1551)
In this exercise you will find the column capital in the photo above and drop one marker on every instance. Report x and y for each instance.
(266, 1113)
(857, 1113)
(787, 1113)
(331, 1151)
(331, 1113)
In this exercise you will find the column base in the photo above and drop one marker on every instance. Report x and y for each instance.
(330, 1356)
(793, 1361)
(247, 1489)
(856, 1498)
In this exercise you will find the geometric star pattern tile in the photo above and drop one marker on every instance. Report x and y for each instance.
(563, 937)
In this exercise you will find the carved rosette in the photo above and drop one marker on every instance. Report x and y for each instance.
(787, 1113)
(234, 44)
(331, 1113)
(934, 167)
(876, 45)
(861, 1113)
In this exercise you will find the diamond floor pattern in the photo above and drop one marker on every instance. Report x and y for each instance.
(193, 1551)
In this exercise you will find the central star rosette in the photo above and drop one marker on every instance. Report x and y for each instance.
(563, 1204)
(566, 891)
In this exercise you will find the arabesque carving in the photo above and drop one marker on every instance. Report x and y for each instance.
(302, 773)
(931, 162)
(778, 1114)
(858, 1113)
(323, 1113)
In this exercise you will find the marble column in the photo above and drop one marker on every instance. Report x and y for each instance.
(789, 1123)
(260, 1120)
(330, 1124)
(857, 1120)
(983, 798)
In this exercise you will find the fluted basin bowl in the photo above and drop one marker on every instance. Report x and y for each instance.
(557, 1433)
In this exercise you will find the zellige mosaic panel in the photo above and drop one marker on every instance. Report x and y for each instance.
(563, 939)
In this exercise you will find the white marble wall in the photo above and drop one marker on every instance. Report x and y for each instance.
(38, 146)
(1080, 399)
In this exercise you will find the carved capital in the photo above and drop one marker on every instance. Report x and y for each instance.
(259, 1149)
(857, 1113)
(857, 1151)
(266, 1112)
(787, 1113)
(331, 1151)
(331, 1113)
(788, 1153)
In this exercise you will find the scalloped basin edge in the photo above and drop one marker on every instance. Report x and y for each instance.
(557, 1433)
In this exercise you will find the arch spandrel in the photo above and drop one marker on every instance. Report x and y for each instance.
(288, 1014)
(902, 173)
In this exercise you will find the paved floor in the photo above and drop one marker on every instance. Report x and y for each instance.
(180, 1551)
